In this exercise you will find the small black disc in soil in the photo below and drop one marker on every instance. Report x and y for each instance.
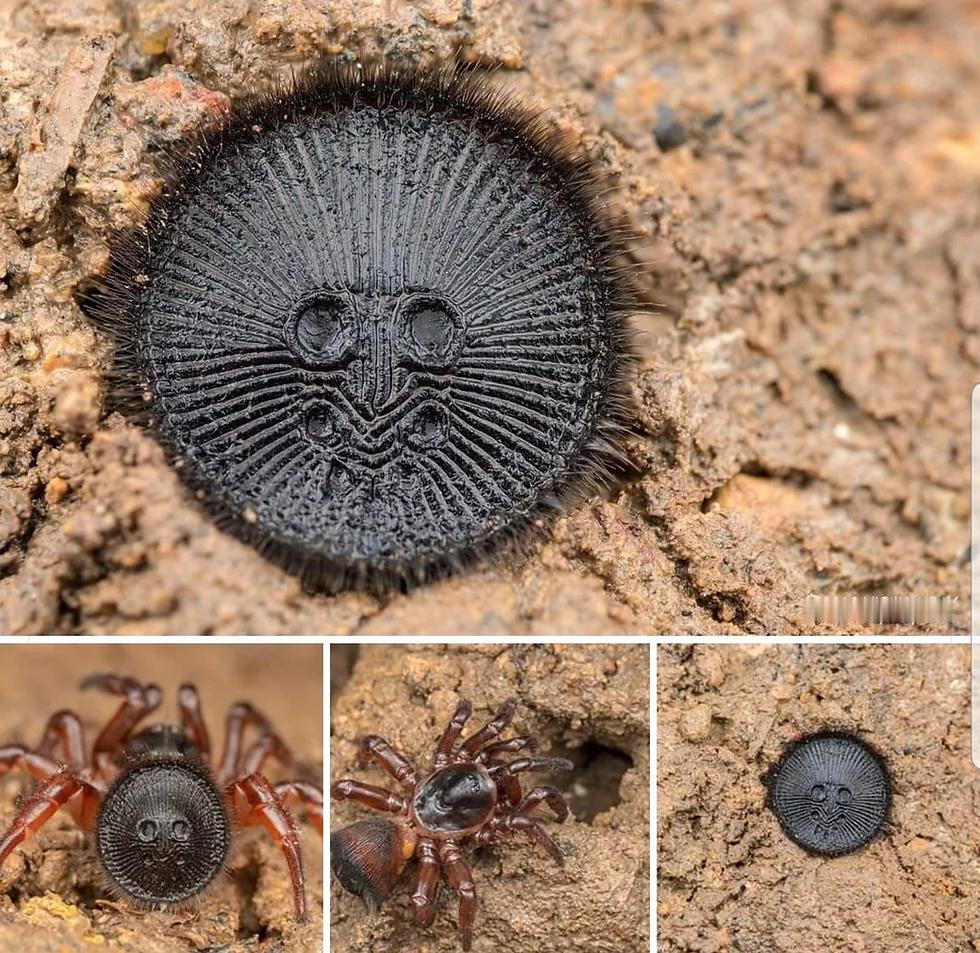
(831, 794)
(376, 320)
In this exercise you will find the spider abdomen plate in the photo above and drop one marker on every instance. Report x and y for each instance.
(376, 321)
(831, 794)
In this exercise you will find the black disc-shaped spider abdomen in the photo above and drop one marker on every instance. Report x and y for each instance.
(470, 797)
(377, 319)
(831, 793)
(163, 833)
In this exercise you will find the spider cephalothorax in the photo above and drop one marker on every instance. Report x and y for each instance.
(470, 797)
(162, 818)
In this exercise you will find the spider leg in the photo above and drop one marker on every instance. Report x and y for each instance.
(424, 897)
(489, 731)
(509, 791)
(445, 746)
(547, 794)
(518, 822)
(270, 745)
(240, 716)
(493, 751)
(192, 720)
(39, 766)
(263, 806)
(501, 771)
(56, 791)
(139, 700)
(64, 728)
(375, 748)
(348, 789)
(308, 794)
(461, 880)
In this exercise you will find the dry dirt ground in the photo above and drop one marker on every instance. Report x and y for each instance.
(802, 180)
(52, 896)
(587, 703)
(729, 879)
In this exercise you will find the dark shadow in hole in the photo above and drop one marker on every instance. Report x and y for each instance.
(592, 787)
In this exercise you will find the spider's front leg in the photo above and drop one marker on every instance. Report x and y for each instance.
(240, 716)
(453, 730)
(138, 701)
(489, 731)
(253, 801)
(308, 794)
(64, 730)
(375, 748)
(192, 720)
(60, 786)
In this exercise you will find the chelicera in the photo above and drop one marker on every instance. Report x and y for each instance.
(162, 815)
(470, 797)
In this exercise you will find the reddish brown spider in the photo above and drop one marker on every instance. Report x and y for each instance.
(470, 798)
(162, 818)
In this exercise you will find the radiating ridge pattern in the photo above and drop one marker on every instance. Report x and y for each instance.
(381, 331)
(162, 833)
(831, 794)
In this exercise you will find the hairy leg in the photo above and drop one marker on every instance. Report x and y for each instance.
(518, 822)
(240, 716)
(501, 771)
(64, 730)
(445, 746)
(53, 794)
(254, 801)
(544, 794)
(307, 794)
(138, 701)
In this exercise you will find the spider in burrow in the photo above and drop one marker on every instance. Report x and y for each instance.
(469, 798)
(162, 816)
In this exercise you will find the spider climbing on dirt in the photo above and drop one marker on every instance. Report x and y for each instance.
(161, 814)
(470, 797)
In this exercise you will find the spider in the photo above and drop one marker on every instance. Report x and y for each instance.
(162, 817)
(471, 797)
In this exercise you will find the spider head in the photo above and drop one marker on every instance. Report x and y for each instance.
(162, 833)
(368, 857)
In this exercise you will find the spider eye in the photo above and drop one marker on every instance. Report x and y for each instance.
(818, 792)
(147, 830)
(181, 831)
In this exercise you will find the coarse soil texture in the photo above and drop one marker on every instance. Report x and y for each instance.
(53, 898)
(800, 178)
(729, 879)
(587, 703)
